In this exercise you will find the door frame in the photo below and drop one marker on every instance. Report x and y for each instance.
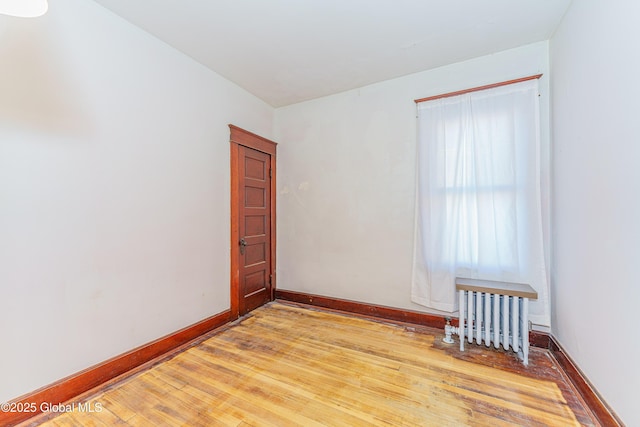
(240, 137)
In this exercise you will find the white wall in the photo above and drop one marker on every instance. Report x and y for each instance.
(346, 179)
(596, 196)
(114, 191)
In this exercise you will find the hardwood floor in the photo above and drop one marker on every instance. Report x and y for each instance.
(288, 365)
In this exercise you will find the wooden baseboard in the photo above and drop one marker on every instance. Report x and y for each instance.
(597, 405)
(537, 339)
(370, 310)
(540, 339)
(76, 384)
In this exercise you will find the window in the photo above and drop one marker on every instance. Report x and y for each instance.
(477, 187)
(478, 196)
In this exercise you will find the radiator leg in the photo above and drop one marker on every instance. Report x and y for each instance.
(462, 324)
(470, 314)
(525, 331)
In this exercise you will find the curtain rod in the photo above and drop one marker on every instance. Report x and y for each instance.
(475, 89)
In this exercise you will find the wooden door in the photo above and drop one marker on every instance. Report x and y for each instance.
(252, 221)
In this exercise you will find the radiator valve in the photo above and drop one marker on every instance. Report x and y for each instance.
(448, 331)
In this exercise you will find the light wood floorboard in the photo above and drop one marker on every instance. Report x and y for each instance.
(288, 365)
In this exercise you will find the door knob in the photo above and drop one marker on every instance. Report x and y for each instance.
(243, 244)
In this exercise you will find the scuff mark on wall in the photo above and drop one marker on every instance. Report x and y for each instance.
(288, 191)
(304, 186)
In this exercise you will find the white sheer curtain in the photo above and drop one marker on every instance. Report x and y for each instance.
(478, 210)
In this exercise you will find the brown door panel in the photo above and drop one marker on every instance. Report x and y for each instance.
(253, 215)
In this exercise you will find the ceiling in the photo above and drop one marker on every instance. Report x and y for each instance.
(288, 51)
